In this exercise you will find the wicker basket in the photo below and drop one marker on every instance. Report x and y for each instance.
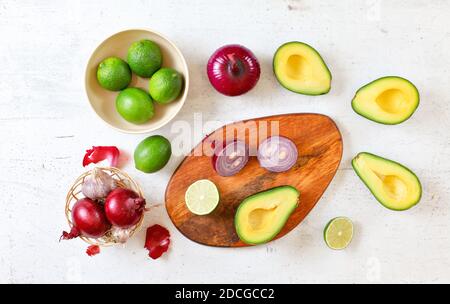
(74, 194)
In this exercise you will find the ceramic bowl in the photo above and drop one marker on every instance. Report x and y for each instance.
(103, 101)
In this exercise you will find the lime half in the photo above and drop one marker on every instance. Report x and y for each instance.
(202, 197)
(338, 233)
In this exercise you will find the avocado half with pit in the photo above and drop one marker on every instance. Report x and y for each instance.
(299, 68)
(387, 100)
(261, 216)
(393, 185)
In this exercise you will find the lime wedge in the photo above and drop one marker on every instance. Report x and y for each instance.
(202, 197)
(338, 233)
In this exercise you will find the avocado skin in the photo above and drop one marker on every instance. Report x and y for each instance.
(323, 61)
(264, 192)
(373, 193)
(387, 123)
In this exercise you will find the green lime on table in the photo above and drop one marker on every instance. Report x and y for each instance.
(165, 85)
(152, 154)
(338, 233)
(113, 74)
(144, 57)
(135, 105)
(202, 197)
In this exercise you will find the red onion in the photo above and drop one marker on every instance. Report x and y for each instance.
(124, 207)
(277, 154)
(88, 219)
(233, 70)
(230, 158)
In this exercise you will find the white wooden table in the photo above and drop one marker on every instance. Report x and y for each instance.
(46, 124)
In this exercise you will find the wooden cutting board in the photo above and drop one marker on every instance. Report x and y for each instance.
(319, 144)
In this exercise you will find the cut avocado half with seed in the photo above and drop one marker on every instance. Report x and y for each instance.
(299, 68)
(261, 216)
(393, 185)
(387, 100)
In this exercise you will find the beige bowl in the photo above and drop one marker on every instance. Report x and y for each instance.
(103, 101)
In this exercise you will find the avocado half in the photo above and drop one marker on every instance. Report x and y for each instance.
(393, 185)
(261, 216)
(387, 100)
(299, 68)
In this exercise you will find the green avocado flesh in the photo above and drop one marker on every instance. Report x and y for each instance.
(261, 216)
(393, 185)
(388, 100)
(299, 68)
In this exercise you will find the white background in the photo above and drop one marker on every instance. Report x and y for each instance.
(46, 124)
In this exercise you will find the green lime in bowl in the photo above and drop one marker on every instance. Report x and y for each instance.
(144, 57)
(135, 105)
(113, 74)
(165, 85)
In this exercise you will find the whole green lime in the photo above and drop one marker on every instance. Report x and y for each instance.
(165, 85)
(135, 105)
(152, 154)
(113, 74)
(144, 58)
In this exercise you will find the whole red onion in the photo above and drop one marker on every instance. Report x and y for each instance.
(233, 70)
(88, 219)
(124, 207)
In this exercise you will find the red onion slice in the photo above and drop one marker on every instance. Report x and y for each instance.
(277, 154)
(230, 158)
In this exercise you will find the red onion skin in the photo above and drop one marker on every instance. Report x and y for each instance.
(89, 220)
(157, 241)
(93, 250)
(124, 207)
(100, 153)
(233, 70)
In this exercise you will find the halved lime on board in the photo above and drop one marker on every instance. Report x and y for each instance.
(338, 233)
(202, 197)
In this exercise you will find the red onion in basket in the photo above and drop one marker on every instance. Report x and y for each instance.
(88, 219)
(124, 207)
(233, 70)
(230, 158)
(277, 154)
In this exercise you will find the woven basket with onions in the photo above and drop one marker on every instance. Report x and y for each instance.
(123, 180)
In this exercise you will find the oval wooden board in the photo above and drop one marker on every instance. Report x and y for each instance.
(319, 144)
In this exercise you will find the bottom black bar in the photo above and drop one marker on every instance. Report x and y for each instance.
(206, 293)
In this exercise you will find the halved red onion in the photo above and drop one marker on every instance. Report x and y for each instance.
(277, 154)
(230, 157)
